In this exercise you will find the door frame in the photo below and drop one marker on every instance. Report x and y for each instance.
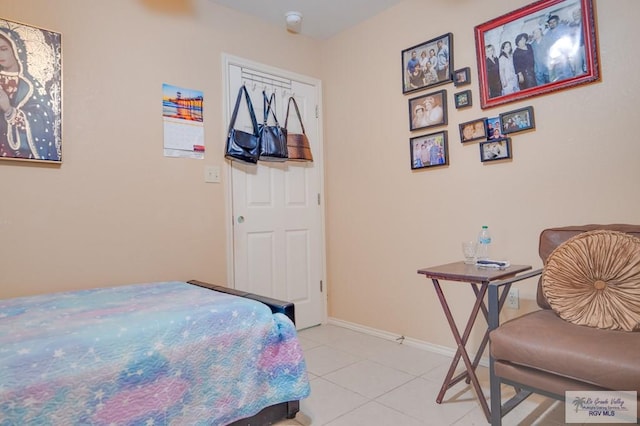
(318, 159)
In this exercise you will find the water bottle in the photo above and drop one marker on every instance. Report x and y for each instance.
(484, 241)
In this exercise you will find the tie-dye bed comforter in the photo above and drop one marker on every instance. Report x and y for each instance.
(145, 354)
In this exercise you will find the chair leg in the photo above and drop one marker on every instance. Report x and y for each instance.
(495, 395)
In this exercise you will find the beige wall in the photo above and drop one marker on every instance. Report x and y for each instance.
(118, 212)
(580, 165)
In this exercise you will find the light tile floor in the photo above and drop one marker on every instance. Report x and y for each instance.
(362, 380)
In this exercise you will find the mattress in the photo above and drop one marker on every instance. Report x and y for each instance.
(148, 354)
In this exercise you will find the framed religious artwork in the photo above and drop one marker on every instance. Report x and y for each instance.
(31, 83)
(463, 99)
(540, 48)
(517, 120)
(427, 64)
(495, 149)
(428, 110)
(473, 130)
(429, 150)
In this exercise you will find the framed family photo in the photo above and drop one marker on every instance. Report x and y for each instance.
(462, 77)
(427, 64)
(428, 110)
(497, 149)
(494, 128)
(463, 99)
(540, 48)
(517, 120)
(473, 130)
(30, 93)
(429, 150)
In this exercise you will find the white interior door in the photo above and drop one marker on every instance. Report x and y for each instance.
(278, 246)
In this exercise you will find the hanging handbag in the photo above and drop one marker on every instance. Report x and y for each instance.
(243, 146)
(297, 143)
(273, 139)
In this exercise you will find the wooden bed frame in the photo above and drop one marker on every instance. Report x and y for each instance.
(273, 413)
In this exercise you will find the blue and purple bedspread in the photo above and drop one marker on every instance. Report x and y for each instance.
(145, 354)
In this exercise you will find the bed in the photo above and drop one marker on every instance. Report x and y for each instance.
(183, 353)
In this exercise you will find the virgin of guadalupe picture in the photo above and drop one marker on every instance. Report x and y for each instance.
(30, 93)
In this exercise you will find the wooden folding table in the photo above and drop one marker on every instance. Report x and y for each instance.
(479, 279)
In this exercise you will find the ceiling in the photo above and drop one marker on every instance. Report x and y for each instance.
(321, 19)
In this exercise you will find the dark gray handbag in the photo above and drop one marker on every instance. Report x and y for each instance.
(273, 139)
(243, 146)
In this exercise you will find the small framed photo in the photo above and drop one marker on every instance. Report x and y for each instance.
(517, 120)
(473, 130)
(427, 64)
(428, 110)
(494, 128)
(462, 77)
(495, 149)
(463, 99)
(429, 150)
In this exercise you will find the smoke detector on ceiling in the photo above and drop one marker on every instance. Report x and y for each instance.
(294, 21)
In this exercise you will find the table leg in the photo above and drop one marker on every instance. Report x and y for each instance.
(485, 313)
(461, 352)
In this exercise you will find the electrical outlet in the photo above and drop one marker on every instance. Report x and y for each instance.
(513, 299)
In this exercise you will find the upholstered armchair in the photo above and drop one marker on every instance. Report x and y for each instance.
(586, 335)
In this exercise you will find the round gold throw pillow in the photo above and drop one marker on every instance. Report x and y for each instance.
(593, 279)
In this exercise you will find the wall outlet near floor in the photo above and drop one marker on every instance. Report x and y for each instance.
(513, 299)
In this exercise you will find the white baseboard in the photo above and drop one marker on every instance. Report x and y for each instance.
(414, 343)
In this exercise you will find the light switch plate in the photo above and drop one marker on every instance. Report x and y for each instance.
(212, 174)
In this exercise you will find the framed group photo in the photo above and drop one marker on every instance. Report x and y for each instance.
(427, 64)
(473, 130)
(428, 110)
(517, 120)
(429, 150)
(31, 76)
(497, 149)
(543, 47)
(494, 128)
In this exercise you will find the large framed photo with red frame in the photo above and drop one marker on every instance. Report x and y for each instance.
(540, 48)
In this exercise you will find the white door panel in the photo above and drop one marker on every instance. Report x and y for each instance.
(278, 249)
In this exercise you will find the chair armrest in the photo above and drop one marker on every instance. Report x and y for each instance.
(496, 299)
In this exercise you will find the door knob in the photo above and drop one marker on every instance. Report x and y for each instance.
(240, 219)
